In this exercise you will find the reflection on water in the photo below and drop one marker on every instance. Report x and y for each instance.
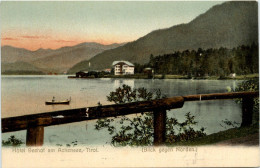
(121, 82)
(27, 95)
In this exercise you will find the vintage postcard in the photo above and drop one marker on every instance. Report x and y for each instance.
(129, 84)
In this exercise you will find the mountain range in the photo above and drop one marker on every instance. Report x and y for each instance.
(229, 25)
(48, 60)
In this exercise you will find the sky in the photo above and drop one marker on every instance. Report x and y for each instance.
(48, 24)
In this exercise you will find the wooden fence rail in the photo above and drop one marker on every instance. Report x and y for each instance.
(35, 123)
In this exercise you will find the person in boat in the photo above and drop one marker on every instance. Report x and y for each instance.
(53, 99)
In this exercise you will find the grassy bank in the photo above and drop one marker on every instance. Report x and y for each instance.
(235, 134)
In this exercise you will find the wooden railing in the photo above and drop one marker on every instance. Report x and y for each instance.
(35, 123)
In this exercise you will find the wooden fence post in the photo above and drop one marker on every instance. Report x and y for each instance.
(159, 127)
(35, 134)
(247, 111)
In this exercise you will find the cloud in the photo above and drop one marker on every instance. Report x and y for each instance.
(64, 41)
(9, 38)
(32, 37)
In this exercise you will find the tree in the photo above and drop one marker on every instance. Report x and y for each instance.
(219, 62)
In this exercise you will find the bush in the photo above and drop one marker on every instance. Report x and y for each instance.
(138, 130)
(12, 141)
(250, 85)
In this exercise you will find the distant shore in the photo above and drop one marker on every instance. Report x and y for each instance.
(160, 76)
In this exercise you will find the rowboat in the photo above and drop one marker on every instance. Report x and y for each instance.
(53, 102)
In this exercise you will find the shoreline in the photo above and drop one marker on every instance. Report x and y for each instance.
(159, 76)
(143, 76)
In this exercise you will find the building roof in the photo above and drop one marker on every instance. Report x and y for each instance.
(126, 62)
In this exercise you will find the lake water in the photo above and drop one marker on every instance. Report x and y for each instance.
(27, 95)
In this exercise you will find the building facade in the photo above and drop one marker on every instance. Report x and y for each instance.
(123, 68)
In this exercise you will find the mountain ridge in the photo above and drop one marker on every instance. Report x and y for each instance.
(56, 61)
(229, 24)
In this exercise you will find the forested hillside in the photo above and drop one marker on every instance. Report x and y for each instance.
(210, 62)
